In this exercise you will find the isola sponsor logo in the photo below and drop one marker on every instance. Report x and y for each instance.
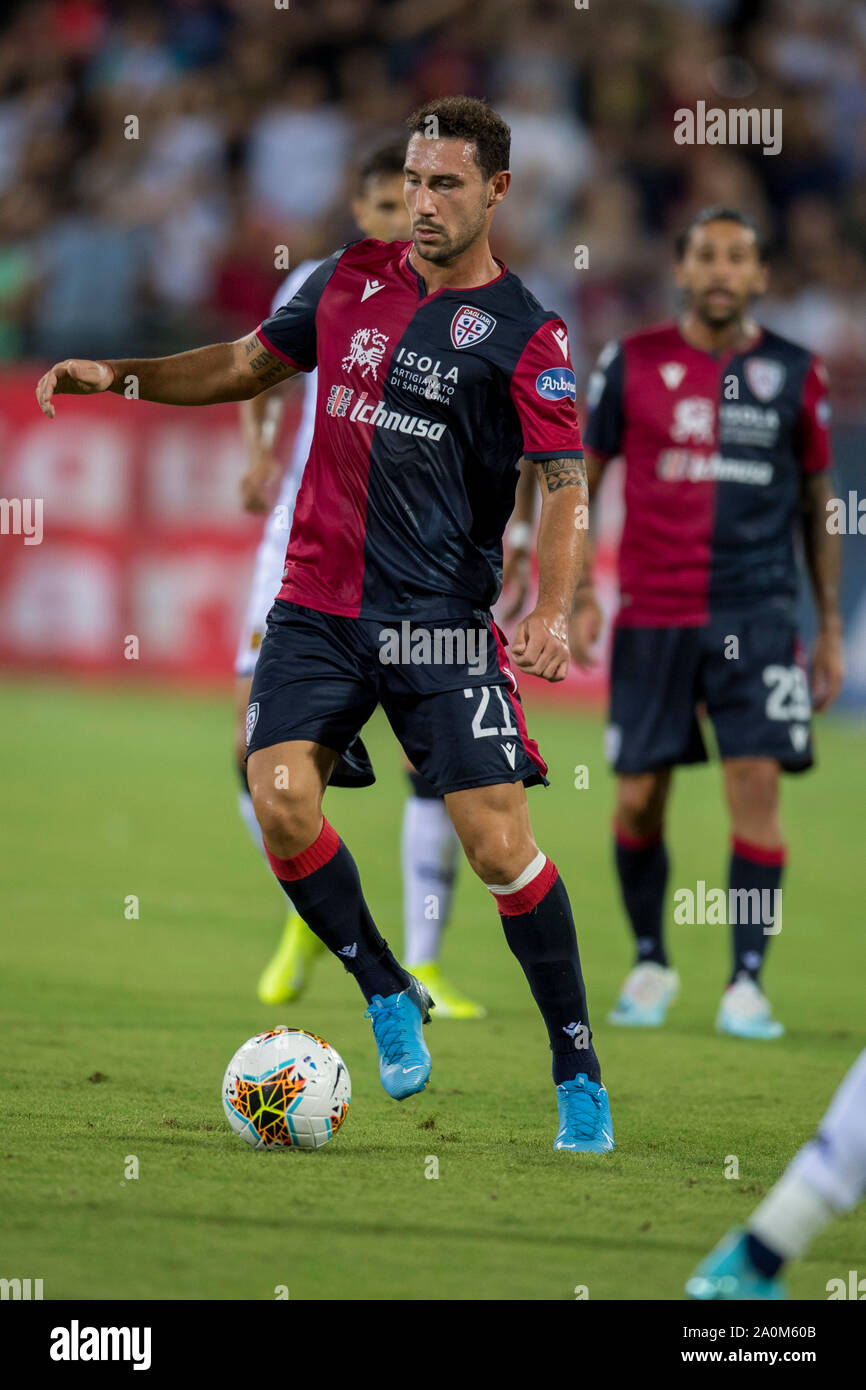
(555, 383)
(377, 413)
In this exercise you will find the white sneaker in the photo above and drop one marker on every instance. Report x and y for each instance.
(745, 1012)
(645, 997)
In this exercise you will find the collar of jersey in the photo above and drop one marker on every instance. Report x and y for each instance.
(414, 278)
(722, 357)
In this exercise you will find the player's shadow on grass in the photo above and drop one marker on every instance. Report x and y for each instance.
(324, 1224)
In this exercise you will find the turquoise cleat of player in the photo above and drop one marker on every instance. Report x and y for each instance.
(727, 1274)
(585, 1125)
(404, 1061)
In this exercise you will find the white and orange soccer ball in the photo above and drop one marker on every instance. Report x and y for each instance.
(286, 1089)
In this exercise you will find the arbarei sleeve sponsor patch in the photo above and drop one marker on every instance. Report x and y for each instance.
(544, 391)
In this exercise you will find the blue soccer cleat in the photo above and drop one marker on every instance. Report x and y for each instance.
(584, 1117)
(728, 1274)
(404, 1061)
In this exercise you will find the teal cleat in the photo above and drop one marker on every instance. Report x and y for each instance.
(728, 1274)
(585, 1125)
(404, 1061)
(745, 1013)
(646, 995)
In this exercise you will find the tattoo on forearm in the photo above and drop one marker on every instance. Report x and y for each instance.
(559, 473)
(265, 367)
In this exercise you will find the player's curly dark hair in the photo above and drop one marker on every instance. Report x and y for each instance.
(466, 118)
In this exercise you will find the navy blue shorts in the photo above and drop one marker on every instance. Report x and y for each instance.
(747, 670)
(446, 689)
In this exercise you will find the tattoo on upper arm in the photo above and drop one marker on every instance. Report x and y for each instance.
(560, 473)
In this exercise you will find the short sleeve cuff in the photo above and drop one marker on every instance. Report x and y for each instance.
(283, 356)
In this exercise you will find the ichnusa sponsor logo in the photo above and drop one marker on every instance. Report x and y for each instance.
(377, 413)
(556, 384)
(687, 465)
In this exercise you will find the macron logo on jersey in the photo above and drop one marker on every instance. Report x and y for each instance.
(561, 338)
(372, 287)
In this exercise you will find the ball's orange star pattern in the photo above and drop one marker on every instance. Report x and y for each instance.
(264, 1104)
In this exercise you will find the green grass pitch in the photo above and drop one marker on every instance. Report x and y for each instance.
(116, 1033)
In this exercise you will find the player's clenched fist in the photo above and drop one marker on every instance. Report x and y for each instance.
(540, 646)
(74, 377)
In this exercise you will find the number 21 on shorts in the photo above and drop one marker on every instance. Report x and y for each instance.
(478, 728)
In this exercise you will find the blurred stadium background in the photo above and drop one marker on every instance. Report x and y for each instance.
(249, 118)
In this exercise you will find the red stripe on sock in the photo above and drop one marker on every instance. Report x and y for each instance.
(323, 848)
(635, 841)
(525, 899)
(772, 858)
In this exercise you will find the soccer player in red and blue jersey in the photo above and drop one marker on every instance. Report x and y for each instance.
(723, 427)
(429, 845)
(437, 371)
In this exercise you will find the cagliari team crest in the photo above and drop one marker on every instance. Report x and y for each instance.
(252, 719)
(469, 325)
(764, 377)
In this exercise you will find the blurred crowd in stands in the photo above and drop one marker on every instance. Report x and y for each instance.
(250, 113)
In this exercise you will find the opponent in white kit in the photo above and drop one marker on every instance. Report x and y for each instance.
(826, 1178)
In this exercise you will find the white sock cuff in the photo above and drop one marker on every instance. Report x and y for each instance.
(790, 1216)
(529, 873)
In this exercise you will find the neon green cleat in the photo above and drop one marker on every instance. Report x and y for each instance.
(450, 1003)
(287, 973)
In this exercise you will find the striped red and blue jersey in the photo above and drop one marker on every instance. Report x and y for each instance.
(425, 405)
(715, 448)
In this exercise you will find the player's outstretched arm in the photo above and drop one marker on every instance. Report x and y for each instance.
(205, 376)
(540, 645)
(823, 551)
